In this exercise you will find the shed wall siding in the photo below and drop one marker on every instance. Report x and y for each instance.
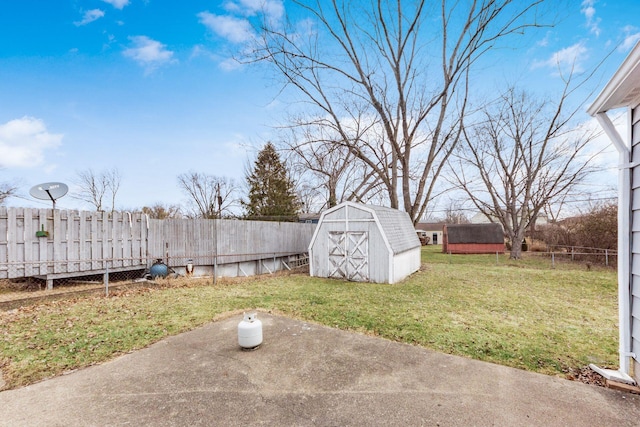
(358, 220)
(405, 264)
(635, 236)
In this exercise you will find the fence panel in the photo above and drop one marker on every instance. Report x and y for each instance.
(176, 240)
(41, 242)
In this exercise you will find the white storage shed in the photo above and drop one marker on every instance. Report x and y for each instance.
(364, 243)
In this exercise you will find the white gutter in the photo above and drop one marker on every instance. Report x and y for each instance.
(624, 248)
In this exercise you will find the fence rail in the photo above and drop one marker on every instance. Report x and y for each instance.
(606, 256)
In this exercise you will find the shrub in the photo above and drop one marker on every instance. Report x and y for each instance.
(595, 229)
(598, 228)
(537, 246)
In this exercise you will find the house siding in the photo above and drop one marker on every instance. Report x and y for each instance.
(431, 229)
(635, 240)
(353, 220)
(406, 264)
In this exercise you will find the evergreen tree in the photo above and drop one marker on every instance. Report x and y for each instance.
(271, 191)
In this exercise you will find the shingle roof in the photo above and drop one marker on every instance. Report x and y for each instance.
(398, 228)
(430, 226)
(475, 233)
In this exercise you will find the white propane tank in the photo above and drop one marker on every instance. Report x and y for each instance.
(250, 331)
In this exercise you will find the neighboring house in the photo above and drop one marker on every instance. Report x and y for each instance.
(480, 218)
(364, 243)
(433, 230)
(623, 91)
(473, 239)
(309, 218)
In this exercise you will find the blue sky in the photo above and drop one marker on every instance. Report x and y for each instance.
(148, 86)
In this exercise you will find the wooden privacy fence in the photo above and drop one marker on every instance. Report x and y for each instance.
(225, 241)
(51, 244)
(43, 242)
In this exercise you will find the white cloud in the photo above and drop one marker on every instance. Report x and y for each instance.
(567, 59)
(225, 64)
(89, 16)
(632, 36)
(23, 142)
(118, 4)
(199, 50)
(629, 42)
(272, 9)
(148, 52)
(589, 11)
(545, 41)
(236, 30)
(230, 64)
(236, 26)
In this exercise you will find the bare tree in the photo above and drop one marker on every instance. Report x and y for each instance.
(391, 79)
(93, 187)
(454, 213)
(326, 166)
(521, 157)
(309, 195)
(209, 196)
(6, 190)
(161, 211)
(112, 178)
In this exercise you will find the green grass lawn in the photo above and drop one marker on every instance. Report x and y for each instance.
(516, 313)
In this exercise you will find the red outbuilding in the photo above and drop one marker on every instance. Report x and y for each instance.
(473, 239)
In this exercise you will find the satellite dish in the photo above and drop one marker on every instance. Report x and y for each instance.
(49, 191)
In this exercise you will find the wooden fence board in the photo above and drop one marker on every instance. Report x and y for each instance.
(84, 240)
(4, 258)
(58, 237)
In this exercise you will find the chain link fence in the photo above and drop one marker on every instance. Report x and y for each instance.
(553, 255)
(114, 272)
(606, 257)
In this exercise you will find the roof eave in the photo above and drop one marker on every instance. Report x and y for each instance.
(611, 96)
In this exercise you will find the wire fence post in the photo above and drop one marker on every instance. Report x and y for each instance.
(216, 224)
(553, 260)
(215, 269)
(497, 258)
(606, 257)
(106, 279)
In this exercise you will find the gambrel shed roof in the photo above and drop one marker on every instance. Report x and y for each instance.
(398, 228)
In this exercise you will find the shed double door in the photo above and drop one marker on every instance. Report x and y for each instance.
(349, 255)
